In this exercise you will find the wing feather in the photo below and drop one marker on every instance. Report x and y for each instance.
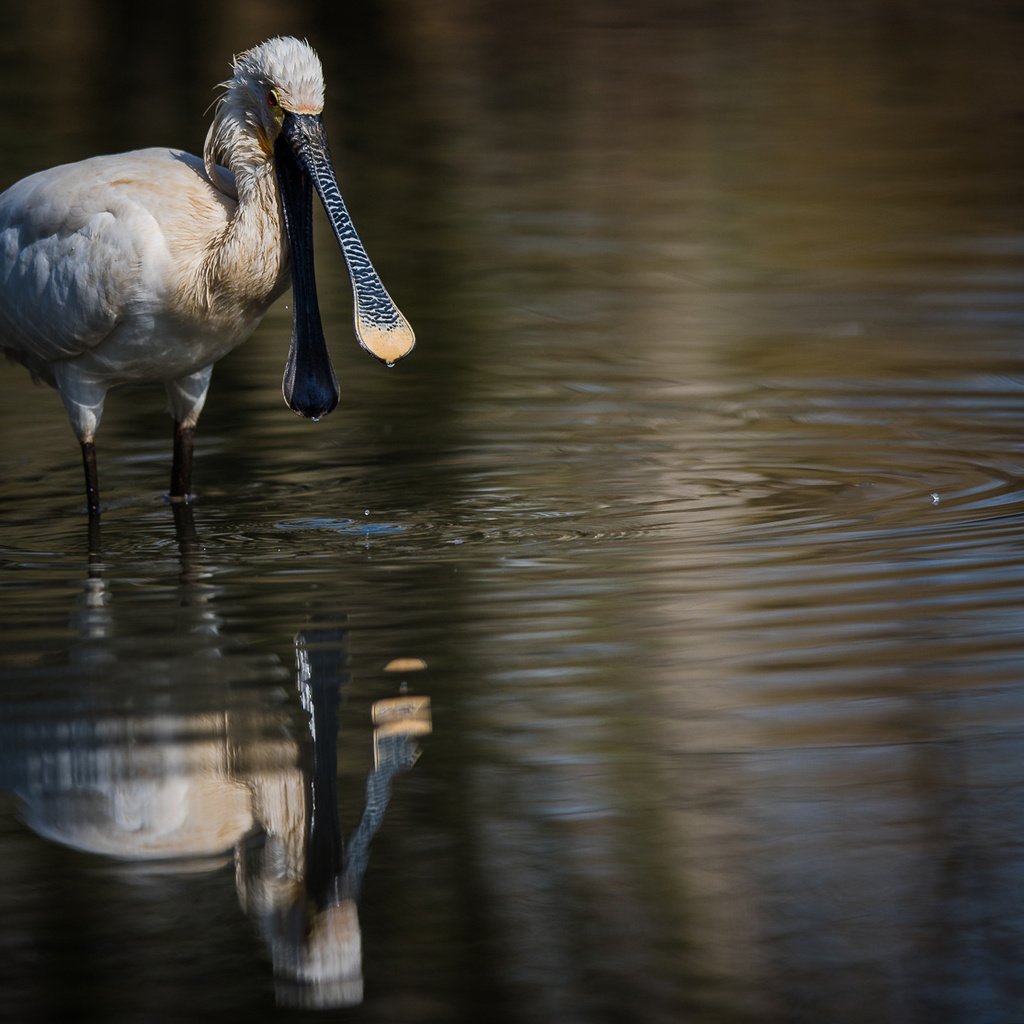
(65, 268)
(83, 245)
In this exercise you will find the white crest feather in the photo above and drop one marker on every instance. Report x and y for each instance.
(288, 66)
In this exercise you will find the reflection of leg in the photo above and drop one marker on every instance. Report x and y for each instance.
(399, 722)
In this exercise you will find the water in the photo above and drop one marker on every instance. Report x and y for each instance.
(696, 516)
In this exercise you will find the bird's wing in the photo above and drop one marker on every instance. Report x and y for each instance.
(68, 261)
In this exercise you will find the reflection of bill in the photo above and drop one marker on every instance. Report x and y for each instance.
(397, 721)
(314, 936)
(327, 962)
(180, 791)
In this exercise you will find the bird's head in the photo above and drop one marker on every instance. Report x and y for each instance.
(271, 111)
(279, 77)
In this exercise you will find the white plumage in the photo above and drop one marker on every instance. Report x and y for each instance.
(152, 265)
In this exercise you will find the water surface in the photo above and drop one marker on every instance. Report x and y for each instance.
(696, 517)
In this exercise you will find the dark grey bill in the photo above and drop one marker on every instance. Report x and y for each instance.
(310, 387)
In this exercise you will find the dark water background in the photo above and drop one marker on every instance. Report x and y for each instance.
(700, 499)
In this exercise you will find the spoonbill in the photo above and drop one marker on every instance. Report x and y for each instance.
(151, 265)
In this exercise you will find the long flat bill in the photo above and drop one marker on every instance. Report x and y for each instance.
(379, 324)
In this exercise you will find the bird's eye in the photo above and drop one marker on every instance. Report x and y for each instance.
(272, 98)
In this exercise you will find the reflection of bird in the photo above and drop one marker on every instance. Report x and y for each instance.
(150, 266)
(170, 787)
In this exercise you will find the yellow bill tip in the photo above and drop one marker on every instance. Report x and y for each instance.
(388, 344)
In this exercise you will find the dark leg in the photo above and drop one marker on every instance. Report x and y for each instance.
(92, 483)
(181, 468)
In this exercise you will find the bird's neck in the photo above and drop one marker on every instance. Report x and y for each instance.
(254, 248)
(250, 261)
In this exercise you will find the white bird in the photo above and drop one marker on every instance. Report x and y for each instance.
(149, 266)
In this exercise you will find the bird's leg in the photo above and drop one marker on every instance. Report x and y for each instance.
(181, 467)
(92, 482)
(185, 398)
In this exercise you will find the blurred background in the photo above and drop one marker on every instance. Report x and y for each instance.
(698, 508)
